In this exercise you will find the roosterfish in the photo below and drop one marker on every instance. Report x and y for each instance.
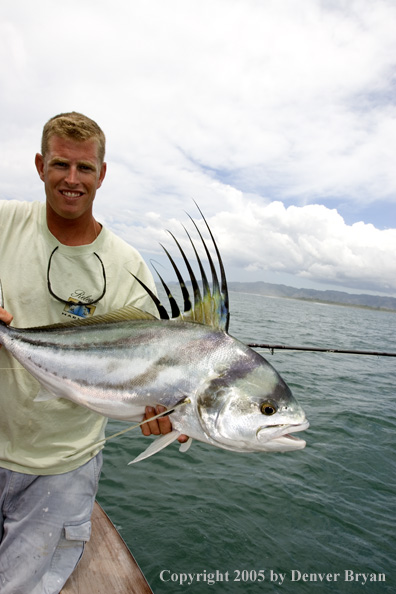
(216, 389)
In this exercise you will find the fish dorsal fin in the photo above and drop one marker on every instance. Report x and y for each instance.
(129, 312)
(209, 306)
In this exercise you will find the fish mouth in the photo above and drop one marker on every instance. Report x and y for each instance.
(281, 432)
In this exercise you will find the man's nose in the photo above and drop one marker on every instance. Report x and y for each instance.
(72, 176)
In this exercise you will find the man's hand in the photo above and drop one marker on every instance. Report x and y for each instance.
(5, 316)
(159, 426)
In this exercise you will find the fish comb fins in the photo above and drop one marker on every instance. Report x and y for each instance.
(209, 305)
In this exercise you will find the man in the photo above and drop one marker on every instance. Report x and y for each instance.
(57, 263)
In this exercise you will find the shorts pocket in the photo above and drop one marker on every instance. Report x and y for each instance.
(80, 532)
(67, 555)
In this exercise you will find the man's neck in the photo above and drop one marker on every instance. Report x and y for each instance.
(81, 231)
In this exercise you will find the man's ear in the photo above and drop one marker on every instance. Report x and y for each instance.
(102, 174)
(39, 162)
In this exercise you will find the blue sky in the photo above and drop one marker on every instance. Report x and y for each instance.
(278, 117)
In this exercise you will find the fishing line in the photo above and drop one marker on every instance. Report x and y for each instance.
(162, 414)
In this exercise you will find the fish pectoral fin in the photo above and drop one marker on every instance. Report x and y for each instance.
(43, 395)
(185, 446)
(157, 445)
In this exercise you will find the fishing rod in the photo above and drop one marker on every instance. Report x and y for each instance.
(273, 347)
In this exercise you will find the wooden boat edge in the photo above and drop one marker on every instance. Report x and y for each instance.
(107, 565)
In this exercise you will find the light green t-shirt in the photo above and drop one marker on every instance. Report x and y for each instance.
(55, 436)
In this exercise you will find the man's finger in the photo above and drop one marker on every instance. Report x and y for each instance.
(5, 316)
(157, 426)
(164, 423)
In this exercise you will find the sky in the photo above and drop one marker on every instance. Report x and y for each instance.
(277, 117)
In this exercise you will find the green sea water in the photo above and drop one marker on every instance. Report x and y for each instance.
(317, 520)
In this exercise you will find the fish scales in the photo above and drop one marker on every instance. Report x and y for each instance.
(161, 353)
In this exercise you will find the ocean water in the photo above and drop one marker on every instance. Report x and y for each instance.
(317, 520)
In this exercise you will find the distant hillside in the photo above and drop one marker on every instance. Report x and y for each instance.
(339, 297)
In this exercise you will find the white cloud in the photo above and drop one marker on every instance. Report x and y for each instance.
(310, 243)
(235, 103)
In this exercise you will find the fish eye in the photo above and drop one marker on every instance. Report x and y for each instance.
(268, 409)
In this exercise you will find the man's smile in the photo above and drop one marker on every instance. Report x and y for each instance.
(70, 194)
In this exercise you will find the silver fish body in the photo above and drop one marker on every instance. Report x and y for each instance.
(221, 391)
(237, 400)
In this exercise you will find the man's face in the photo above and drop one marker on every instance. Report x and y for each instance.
(71, 172)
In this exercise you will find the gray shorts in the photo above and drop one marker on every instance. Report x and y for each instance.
(44, 524)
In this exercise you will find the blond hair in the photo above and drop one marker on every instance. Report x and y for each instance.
(75, 126)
